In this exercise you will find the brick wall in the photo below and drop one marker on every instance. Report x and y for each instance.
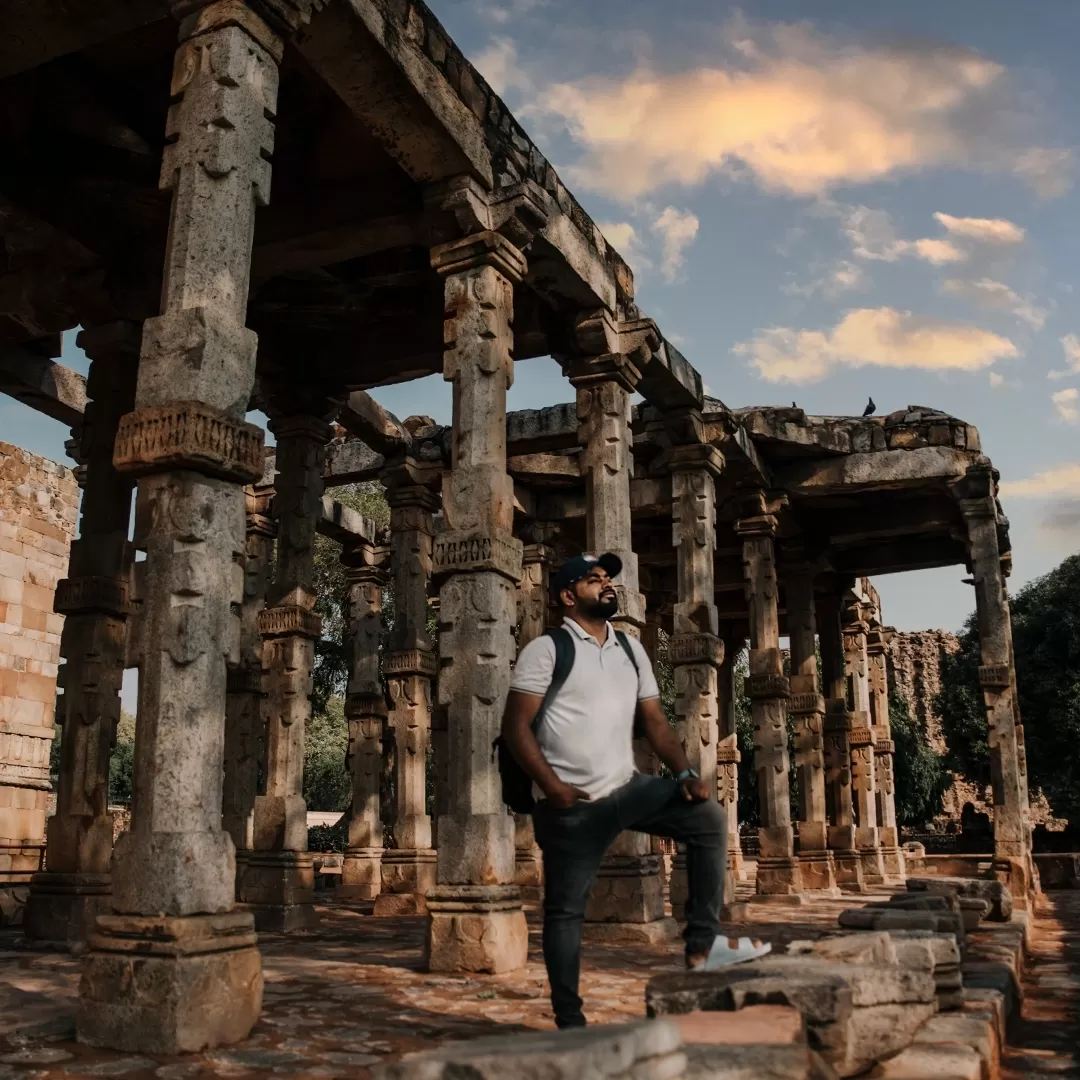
(39, 502)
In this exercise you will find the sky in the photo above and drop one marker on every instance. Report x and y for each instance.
(823, 201)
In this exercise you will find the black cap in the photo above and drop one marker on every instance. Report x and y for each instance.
(580, 566)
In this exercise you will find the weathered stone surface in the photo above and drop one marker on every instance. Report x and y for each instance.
(754, 1063)
(995, 893)
(866, 948)
(965, 1029)
(923, 1062)
(648, 1051)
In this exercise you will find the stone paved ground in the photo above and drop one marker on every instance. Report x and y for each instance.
(342, 998)
(1046, 1041)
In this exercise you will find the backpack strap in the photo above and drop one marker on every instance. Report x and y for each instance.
(564, 664)
(624, 641)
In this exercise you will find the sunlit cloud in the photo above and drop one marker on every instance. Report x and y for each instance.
(624, 238)
(873, 337)
(997, 380)
(1066, 404)
(841, 277)
(677, 230)
(938, 252)
(984, 230)
(798, 112)
(996, 296)
(1062, 479)
(1070, 346)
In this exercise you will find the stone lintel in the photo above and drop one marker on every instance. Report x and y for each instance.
(476, 552)
(994, 676)
(695, 457)
(586, 371)
(93, 593)
(286, 620)
(695, 649)
(806, 703)
(484, 248)
(768, 685)
(189, 435)
(411, 662)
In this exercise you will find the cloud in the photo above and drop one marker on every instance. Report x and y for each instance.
(841, 277)
(624, 238)
(1070, 345)
(873, 337)
(997, 380)
(984, 230)
(997, 296)
(1063, 517)
(499, 65)
(506, 10)
(1065, 402)
(1060, 480)
(677, 230)
(938, 251)
(800, 113)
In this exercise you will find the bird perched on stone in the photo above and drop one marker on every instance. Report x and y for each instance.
(870, 409)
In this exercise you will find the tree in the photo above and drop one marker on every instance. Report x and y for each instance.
(122, 762)
(326, 782)
(919, 775)
(1046, 643)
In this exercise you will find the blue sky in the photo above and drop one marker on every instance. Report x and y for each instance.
(822, 201)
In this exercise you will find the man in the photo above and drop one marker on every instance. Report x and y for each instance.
(581, 762)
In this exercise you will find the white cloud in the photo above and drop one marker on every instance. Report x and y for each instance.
(1065, 402)
(1047, 169)
(677, 230)
(1060, 480)
(997, 380)
(983, 230)
(500, 66)
(1070, 345)
(938, 251)
(799, 112)
(624, 238)
(506, 10)
(830, 282)
(997, 296)
(874, 337)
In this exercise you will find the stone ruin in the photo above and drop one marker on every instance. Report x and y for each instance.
(413, 228)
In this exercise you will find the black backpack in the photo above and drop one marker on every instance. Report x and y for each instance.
(516, 783)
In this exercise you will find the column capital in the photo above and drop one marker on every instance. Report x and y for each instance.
(686, 649)
(302, 426)
(461, 207)
(474, 252)
(538, 553)
(402, 491)
(476, 552)
(759, 514)
(767, 685)
(252, 16)
(93, 593)
(365, 564)
(121, 336)
(696, 457)
(588, 371)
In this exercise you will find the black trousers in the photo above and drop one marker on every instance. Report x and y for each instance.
(574, 841)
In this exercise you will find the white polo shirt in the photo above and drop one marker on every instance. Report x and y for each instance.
(586, 734)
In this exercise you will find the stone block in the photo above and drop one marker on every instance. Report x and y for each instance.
(643, 1051)
(476, 928)
(925, 1062)
(995, 893)
(965, 1029)
(658, 932)
(872, 948)
(755, 1062)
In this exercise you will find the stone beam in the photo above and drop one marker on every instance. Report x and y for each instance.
(670, 381)
(343, 524)
(365, 419)
(535, 431)
(43, 384)
(37, 31)
(349, 461)
(540, 467)
(888, 470)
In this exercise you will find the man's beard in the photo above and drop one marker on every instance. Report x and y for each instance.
(603, 608)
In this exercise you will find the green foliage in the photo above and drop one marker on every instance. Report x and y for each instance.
(1046, 642)
(329, 837)
(919, 775)
(122, 762)
(326, 781)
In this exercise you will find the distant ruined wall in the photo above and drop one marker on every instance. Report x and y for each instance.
(39, 502)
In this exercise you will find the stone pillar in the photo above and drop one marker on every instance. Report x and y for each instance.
(884, 749)
(695, 650)
(997, 677)
(277, 879)
(175, 968)
(769, 690)
(476, 922)
(95, 600)
(808, 718)
(627, 902)
(728, 757)
(861, 742)
(365, 710)
(533, 612)
(408, 871)
(245, 721)
(841, 814)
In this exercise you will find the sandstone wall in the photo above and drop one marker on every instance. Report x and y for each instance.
(38, 509)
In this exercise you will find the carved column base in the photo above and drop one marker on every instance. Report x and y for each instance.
(158, 985)
(277, 888)
(361, 874)
(1016, 874)
(849, 870)
(408, 875)
(62, 907)
(892, 855)
(628, 890)
(818, 870)
(778, 876)
(528, 861)
(868, 846)
(476, 928)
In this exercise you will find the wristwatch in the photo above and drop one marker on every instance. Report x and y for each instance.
(686, 774)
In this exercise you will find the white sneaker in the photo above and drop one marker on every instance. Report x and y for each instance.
(724, 955)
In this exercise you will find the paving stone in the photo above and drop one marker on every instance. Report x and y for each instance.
(757, 1024)
(118, 1066)
(749, 1063)
(35, 1055)
(976, 1032)
(931, 1063)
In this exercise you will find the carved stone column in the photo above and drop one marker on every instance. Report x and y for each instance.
(696, 650)
(728, 757)
(245, 721)
(476, 920)
(997, 677)
(877, 644)
(408, 871)
(94, 598)
(277, 879)
(769, 691)
(365, 710)
(627, 902)
(176, 969)
(807, 708)
(533, 611)
(863, 787)
(841, 831)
